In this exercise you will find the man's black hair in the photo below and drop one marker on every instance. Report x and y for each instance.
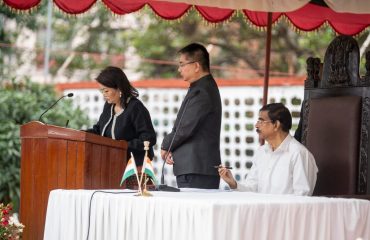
(278, 112)
(198, 53)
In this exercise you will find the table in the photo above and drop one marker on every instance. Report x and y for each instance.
(203, 215)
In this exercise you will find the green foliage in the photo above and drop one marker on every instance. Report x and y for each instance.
(22, 102)
(92, 42)
(161, 40)
(9, 36)
(85, 44)
(233, 44)
(79, 44)
(28, 19)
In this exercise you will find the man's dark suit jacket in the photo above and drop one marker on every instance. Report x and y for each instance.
(196, 146)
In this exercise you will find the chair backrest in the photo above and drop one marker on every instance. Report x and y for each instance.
(335, 119)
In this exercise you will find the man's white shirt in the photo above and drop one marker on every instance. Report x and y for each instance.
(290, 169)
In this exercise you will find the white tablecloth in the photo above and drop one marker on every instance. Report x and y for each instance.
(209, 215)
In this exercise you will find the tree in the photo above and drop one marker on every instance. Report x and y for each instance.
(79, 45)
(233, 45)
(8, 36)
(94, 41)
(88, 43)
(21, 102)
(236, 47)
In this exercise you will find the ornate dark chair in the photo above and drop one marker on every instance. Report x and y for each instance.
(335, 119)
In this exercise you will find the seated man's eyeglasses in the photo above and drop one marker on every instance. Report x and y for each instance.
(261, 121)
(186, 63)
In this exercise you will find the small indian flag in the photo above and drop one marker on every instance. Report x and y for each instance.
(130, 170)
(148, 170)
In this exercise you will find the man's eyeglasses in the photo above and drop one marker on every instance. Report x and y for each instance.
(186, 63)
(260, 122)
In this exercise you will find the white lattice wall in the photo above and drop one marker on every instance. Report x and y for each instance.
(240, 112)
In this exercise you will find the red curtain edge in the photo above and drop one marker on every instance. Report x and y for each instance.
(169, 17)
(26, 6)
(67, 10)
(23, 6)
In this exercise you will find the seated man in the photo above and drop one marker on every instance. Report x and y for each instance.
(283, 166)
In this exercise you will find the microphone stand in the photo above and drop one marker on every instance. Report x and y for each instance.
(68, 95)
(162, 186)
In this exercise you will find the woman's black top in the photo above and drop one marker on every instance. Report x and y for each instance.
(133, 124)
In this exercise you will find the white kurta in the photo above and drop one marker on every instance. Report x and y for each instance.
(290, 169)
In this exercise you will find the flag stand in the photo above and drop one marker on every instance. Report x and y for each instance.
(143, 182)
(145, 192)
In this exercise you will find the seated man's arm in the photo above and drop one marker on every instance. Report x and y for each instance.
(251, 183)
(304, 174)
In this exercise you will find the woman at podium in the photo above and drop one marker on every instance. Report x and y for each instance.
(124, 117)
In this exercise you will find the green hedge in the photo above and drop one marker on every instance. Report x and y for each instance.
(22, 102)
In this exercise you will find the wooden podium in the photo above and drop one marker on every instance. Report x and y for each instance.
(55, 157)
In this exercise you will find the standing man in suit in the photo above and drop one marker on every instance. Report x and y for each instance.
(193, 146)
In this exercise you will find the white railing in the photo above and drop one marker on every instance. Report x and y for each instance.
(240, 106)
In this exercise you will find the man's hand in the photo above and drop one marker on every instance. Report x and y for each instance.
(227, 176)
(167, 156)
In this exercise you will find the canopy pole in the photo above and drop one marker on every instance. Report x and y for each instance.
(267, 65)
(267, 59)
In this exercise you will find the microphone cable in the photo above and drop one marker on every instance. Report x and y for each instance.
(173, 138)
(91, 198)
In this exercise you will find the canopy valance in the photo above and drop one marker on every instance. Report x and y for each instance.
(345, 17)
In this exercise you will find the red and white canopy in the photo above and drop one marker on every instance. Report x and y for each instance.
(344, 16)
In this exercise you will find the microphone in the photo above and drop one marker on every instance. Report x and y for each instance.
(162, 186)
(68, 95)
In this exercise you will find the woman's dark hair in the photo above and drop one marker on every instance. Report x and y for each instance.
(197, 52)
(278, 112)
(114, 77)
